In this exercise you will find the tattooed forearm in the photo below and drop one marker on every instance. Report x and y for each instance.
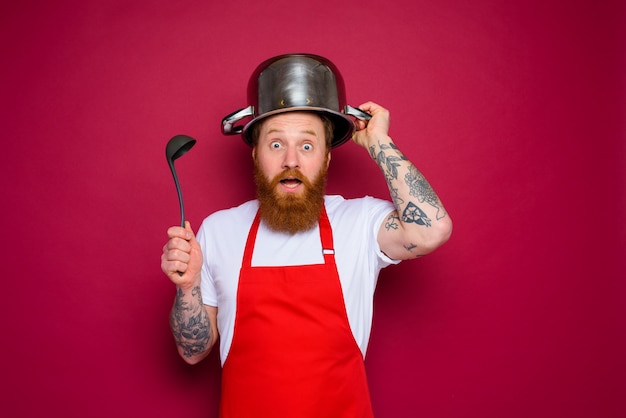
(391, 161)
(388, 163)
(190, 323)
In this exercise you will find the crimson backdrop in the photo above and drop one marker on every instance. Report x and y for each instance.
(514, 110)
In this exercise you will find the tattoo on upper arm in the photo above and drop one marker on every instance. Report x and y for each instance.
(391, 222)
(421, 189)
(194, 334)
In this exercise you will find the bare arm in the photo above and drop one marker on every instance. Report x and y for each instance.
(193, 324)
(420, 223)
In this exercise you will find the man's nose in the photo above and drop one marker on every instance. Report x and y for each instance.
(291, 158)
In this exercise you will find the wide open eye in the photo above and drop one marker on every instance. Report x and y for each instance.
(275, 145)
(307, 147)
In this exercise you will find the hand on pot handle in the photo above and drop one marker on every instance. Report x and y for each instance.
(375, 129)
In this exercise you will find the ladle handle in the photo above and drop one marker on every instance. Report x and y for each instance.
(179, 192)
(180, 197)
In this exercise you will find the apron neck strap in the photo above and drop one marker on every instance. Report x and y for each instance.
(326, 237)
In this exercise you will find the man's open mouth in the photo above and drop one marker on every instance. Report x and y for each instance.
(291, 182)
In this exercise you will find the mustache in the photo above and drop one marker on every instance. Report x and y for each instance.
(291, 174)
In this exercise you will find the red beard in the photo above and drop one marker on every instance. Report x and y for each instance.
(287, 212)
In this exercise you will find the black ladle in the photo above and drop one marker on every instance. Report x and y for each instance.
(176, 148)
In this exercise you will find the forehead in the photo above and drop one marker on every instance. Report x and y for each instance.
(296, 122)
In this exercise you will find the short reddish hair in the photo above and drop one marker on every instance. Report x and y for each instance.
(329, 128)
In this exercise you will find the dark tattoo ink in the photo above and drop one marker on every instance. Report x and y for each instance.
(192, 335)
(391, 222)
(416, 182)
(389, 164)
(372, 151)
(421, 189)
(392, 167)
(410, 249)
(397, 200)
(413, 214)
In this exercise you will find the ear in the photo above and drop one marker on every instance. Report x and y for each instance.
(328, 160)
(254, 153)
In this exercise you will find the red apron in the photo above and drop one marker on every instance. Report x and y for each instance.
(293, 354)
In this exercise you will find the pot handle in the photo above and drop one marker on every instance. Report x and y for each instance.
(357, 113)
(228, 123)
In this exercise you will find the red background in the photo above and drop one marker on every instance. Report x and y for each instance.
(513, 109)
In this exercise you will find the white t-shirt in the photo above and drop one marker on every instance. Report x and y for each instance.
(355, 224)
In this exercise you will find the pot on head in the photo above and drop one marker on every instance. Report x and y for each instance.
(295, 82)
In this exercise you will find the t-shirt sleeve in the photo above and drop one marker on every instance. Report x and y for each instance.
(379, 210)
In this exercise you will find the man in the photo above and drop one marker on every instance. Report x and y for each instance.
(287, 281)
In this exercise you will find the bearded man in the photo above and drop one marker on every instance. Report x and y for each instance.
(291, 193)
(286, 281)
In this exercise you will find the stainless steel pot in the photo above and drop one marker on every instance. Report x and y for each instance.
(295, 82)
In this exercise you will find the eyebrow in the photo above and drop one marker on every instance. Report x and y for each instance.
(306, 131)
